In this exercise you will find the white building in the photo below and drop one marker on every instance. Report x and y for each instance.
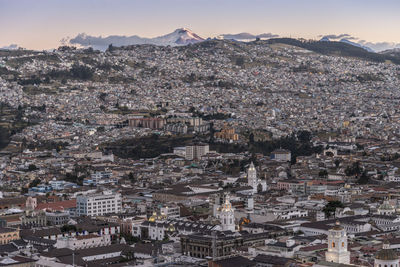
(83, 241)
(337, 245)
(196, 151)
(252, 180)
(281, 155)
(98, 204)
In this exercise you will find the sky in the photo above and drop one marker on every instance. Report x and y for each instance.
(42, 24)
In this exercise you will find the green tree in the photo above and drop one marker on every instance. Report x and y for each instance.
(323, 173)
(331, 206)
(32, 167)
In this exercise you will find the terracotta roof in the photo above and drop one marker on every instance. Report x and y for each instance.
(60, 205)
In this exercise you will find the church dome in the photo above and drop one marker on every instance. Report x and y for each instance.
(386, 254)
(386, 206)
(153, 217)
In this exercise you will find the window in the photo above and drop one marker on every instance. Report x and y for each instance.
(333, 245)
(342, 244)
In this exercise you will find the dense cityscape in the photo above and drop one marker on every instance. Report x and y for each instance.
(212, 153)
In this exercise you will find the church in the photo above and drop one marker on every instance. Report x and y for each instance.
(257, 184)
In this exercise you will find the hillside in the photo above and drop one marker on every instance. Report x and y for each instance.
(336, 49)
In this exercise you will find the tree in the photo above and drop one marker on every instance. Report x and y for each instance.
(251, 138)
(304, 136)
(68, 228)
(330, 208)
(110, 48)
(364, 179)
(323, 173)
(354, 169)
(132, 177)
(32, 167)
(337, 163)
(34, 183)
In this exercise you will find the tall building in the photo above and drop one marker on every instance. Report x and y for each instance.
(98, 204)
(226, 215)
(196, 151)
(386, 257)
(337, 245)
(253, 181)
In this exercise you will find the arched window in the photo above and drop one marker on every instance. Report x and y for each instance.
(333, 245)
(342, 244)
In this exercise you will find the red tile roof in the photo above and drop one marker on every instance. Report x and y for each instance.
(57, 206)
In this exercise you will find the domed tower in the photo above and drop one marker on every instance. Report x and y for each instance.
(386, 208)
(337, 245)
(386, 257)
(227, 216)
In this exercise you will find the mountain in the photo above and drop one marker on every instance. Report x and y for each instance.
(357, 45)
(180, 36)
(334, 48)
(395, 52)
(347, 41)
(10, 47)
(245, 36)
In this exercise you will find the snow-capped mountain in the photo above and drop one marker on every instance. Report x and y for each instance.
(180, 36)
(347, 41)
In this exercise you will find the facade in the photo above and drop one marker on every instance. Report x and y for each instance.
(218, 244)
(337, 245)
(196, 151)
(98, 204)
(8, 234)
(83, 241)
(152, 123)
(170, 211)
(281, 155)
(227, 133)
(33, 218)
(57, 217)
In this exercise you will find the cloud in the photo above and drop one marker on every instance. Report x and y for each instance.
(101, 43)
(339, 36)
(248, 36)
(380, 46)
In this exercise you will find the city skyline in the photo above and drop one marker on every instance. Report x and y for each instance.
(43, 24)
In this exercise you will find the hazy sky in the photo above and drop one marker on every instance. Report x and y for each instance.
(41, 24)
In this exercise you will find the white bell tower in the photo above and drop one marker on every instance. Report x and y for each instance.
(337, 245)
(227, 216)
(252, 177)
